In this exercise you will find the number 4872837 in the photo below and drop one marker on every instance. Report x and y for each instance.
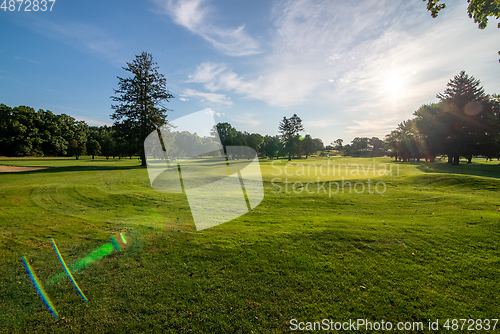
(27, 5)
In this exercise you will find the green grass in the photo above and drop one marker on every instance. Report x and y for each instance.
(427, 248)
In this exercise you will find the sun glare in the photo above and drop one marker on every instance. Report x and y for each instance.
(394, 85)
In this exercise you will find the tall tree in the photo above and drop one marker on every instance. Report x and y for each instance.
(139, 109)
(462, 101)
(289, 129)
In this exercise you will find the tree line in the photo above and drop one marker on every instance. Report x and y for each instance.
(464, 123)
(288, 144)
(360, 147)
(26, 132)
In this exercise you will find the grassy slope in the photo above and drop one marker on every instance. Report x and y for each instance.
(425, 249)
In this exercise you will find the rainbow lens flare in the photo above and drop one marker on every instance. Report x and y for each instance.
(39, 288)
(118, 242)
(97, 254)
(473, 108)
(123, 238)
(68, 271)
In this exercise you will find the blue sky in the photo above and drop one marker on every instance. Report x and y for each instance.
(347, 68)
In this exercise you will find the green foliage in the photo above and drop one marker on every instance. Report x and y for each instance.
(227, 133)
(76, 149)
(338, 144)
(434, 7)
(479, 10)
(93, 148)
(229, 136)
(271, 147)
(26, 132)
(361, 147)
(308, 145)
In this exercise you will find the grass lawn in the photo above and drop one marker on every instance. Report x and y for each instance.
(425, 248)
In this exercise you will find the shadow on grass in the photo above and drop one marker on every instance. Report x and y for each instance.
(477, 169)
(49, 170)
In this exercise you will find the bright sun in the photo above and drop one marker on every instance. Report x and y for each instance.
(394, 85)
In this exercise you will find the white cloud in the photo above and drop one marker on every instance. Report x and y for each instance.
(213, 112)
(377, 62)
(93, 122)
(286, 86)
(306, 52)
(194, 15)
(183, 99)
(208, 97)
(323, 123)
(246, 120)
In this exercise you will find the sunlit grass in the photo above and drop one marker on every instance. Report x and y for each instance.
(427, 248)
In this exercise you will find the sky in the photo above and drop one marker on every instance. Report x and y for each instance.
(346, 68)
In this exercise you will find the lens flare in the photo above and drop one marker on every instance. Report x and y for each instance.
(68, 271)
(97, 254)
(92, 257)
(39, 288)
(473, 108)
(117, 243)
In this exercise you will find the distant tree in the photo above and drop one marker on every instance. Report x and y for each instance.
(93, 148)
(53, 141)
(338, 144)
(271, 146)
(308, 145)
(108, 146)
(377, 146)
(69, 129)
(393, 143)
(318, 145)
(186, 143)
(289, 130)
(227, 134)
(76, 149)
(254, 140)
(347, 150)
(432, 129)
(359, 145)
(139, 109)
(5, 117)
